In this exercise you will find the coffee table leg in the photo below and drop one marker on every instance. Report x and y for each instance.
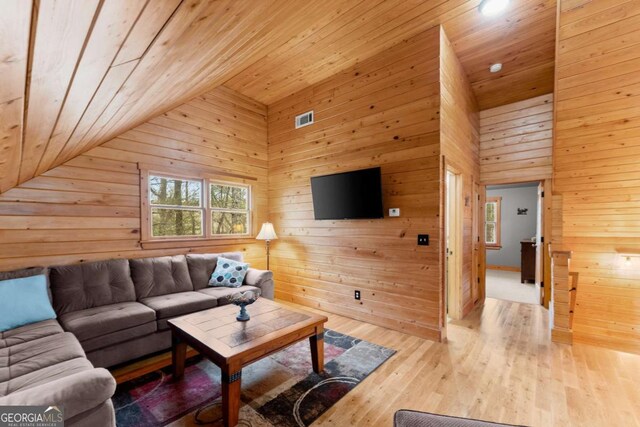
(317, 350)
(178, 356)
(231, 380)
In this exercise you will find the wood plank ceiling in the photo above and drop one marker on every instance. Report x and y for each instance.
(77, 73)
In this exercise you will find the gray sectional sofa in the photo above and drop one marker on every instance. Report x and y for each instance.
(109, 312)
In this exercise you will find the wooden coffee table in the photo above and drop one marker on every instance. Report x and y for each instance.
(231, 344)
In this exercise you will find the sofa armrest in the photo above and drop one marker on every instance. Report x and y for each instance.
(76, 393)
(262, 279)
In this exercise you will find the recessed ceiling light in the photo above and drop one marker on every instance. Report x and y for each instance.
(495, 67)
(493, 7)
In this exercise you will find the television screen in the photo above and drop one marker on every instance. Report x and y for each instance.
(348, 195)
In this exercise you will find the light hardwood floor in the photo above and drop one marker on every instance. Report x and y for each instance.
(499, 365)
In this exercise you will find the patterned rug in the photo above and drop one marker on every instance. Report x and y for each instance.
(280, 390)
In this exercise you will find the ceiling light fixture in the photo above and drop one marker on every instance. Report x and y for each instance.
(493, 7)
(495, 67)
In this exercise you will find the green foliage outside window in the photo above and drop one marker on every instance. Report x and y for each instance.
(491, 211)
(492, 222)
(173, 198)
(176, 222)
(230, 209)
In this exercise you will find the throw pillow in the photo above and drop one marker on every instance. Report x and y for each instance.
(228, 273)
(23, 301)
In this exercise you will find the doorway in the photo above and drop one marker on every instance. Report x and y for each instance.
(513, 229)
(453, 243)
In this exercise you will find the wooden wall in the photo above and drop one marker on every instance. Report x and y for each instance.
(516, 141)
(381, 112)
(460, 145)
(596, 157)
(89, 207)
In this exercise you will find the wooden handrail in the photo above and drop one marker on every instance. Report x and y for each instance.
(564, 288)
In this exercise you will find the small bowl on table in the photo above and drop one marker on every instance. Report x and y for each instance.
(242, 300)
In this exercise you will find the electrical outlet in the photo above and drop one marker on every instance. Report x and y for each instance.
(394, 212)
(357, 295)
(423, 240)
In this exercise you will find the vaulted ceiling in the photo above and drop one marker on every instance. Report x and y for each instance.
(76, 73)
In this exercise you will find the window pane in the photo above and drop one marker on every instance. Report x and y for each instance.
(176, 222)
(490, 233)
(174, 192)
(229, 223)
(491, 211)
(229, 197)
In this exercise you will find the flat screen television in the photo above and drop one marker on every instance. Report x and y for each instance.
(348, 195)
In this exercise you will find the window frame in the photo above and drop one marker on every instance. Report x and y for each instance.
(210, 209)
(497, 222)
(206, 180)
(202, 208)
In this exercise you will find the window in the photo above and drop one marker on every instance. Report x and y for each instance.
(176, 207)
(229, 209)
(187, 208)
(492, 222)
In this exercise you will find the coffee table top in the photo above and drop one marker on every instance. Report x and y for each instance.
(218, 334)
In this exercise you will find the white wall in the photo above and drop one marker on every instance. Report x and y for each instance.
(514, 227)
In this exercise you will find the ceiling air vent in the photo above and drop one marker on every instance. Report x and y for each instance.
(304, 119)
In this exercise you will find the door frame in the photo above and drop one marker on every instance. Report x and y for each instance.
(479, 246)
(453, 291)
(546, 235)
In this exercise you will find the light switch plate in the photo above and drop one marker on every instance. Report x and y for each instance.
(394, 212)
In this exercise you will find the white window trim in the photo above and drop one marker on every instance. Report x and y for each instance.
(202, 208)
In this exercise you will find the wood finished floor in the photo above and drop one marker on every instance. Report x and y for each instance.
(498, 365)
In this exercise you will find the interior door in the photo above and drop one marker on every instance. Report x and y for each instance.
(453, 230)
(447, 242)
(539, 245)
(475, 235)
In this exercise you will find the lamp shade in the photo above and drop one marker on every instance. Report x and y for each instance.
(267, 232)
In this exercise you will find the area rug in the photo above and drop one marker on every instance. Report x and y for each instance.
(280, 390)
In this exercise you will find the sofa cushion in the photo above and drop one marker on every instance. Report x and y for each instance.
(172, 305)
(44, 376)
(119, 337)
(103, 414)
(78, 391)
(29, 333)
(160, 276)
(223, 295)
(201, 266)
(24, 301)
(103, 320)
(92, 284)
(31, 356)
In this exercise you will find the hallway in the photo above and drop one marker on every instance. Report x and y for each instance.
(505, 285)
